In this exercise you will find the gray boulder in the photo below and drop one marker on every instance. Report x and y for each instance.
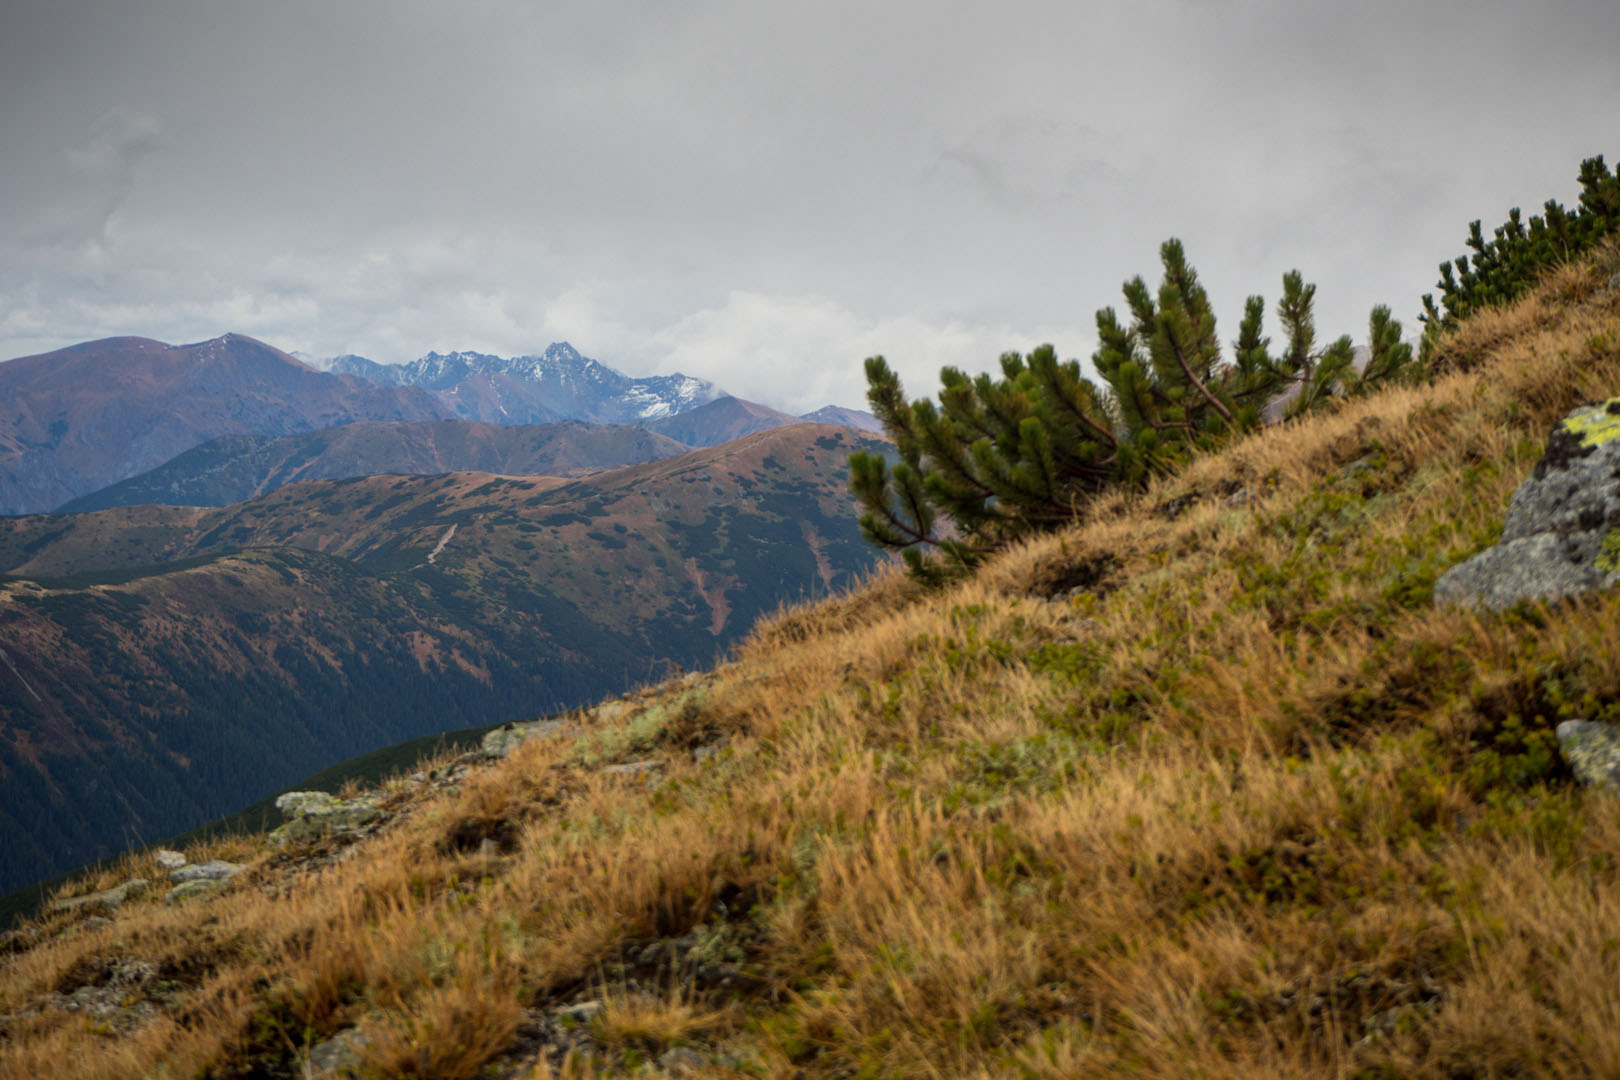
(106, 899)
(213, 870)
(1592, 751)
(313, 814)
(1562, 534)
(341, 1055)
(190, 890)
(508, 737)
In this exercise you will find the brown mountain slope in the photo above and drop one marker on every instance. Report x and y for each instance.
(233, 468)
(78, 419)
(165, 665)
(721, 421)
(859, 419)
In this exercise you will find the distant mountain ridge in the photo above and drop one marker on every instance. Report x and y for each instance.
(558, 384)
(232, 468)
(77, 419)
(561, 383)
(720, 421)
(83, 418)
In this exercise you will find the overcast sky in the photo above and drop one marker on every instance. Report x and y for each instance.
(760, 193)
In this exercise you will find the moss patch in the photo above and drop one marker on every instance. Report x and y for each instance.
(1609, 558)
(1597, 425)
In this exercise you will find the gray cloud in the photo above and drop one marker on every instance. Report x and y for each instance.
(758, 193)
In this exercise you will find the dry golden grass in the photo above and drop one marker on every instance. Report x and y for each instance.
(1203, 786)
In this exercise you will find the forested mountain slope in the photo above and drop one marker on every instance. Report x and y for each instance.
(165, 665)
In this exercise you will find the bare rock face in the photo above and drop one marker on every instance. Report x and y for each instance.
(1562, 535)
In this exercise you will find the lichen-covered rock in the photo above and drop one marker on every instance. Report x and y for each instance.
(314, 814)
(1592, 751)
(508, 737)
(169, 860)
(213, 870)
(1562, 534)
(295, 803)
(190, 890)
(106, 899)
(117, 1003)
(341, 1055)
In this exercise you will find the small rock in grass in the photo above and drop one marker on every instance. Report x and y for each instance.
(106, 899)
(190, 890)
(341, 1055)
(508, 737)
(213, 870)
(582, 1012)
(296, 803)
(1592, 751)
(169, 860)
(314, 813)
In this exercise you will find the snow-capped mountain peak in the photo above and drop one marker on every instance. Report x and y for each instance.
(557, 384)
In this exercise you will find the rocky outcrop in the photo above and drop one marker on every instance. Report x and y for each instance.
(312, 814)
(200, 879)
(1562, 535)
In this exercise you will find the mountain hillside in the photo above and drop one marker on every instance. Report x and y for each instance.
(165, 665)
(720, 421)
(237, 467)
(859, 419)
(75, 420)
(1204, 785)
(556, 385)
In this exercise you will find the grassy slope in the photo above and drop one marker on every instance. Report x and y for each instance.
(1243, 805)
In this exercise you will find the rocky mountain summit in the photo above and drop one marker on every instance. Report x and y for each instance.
(557, 384)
